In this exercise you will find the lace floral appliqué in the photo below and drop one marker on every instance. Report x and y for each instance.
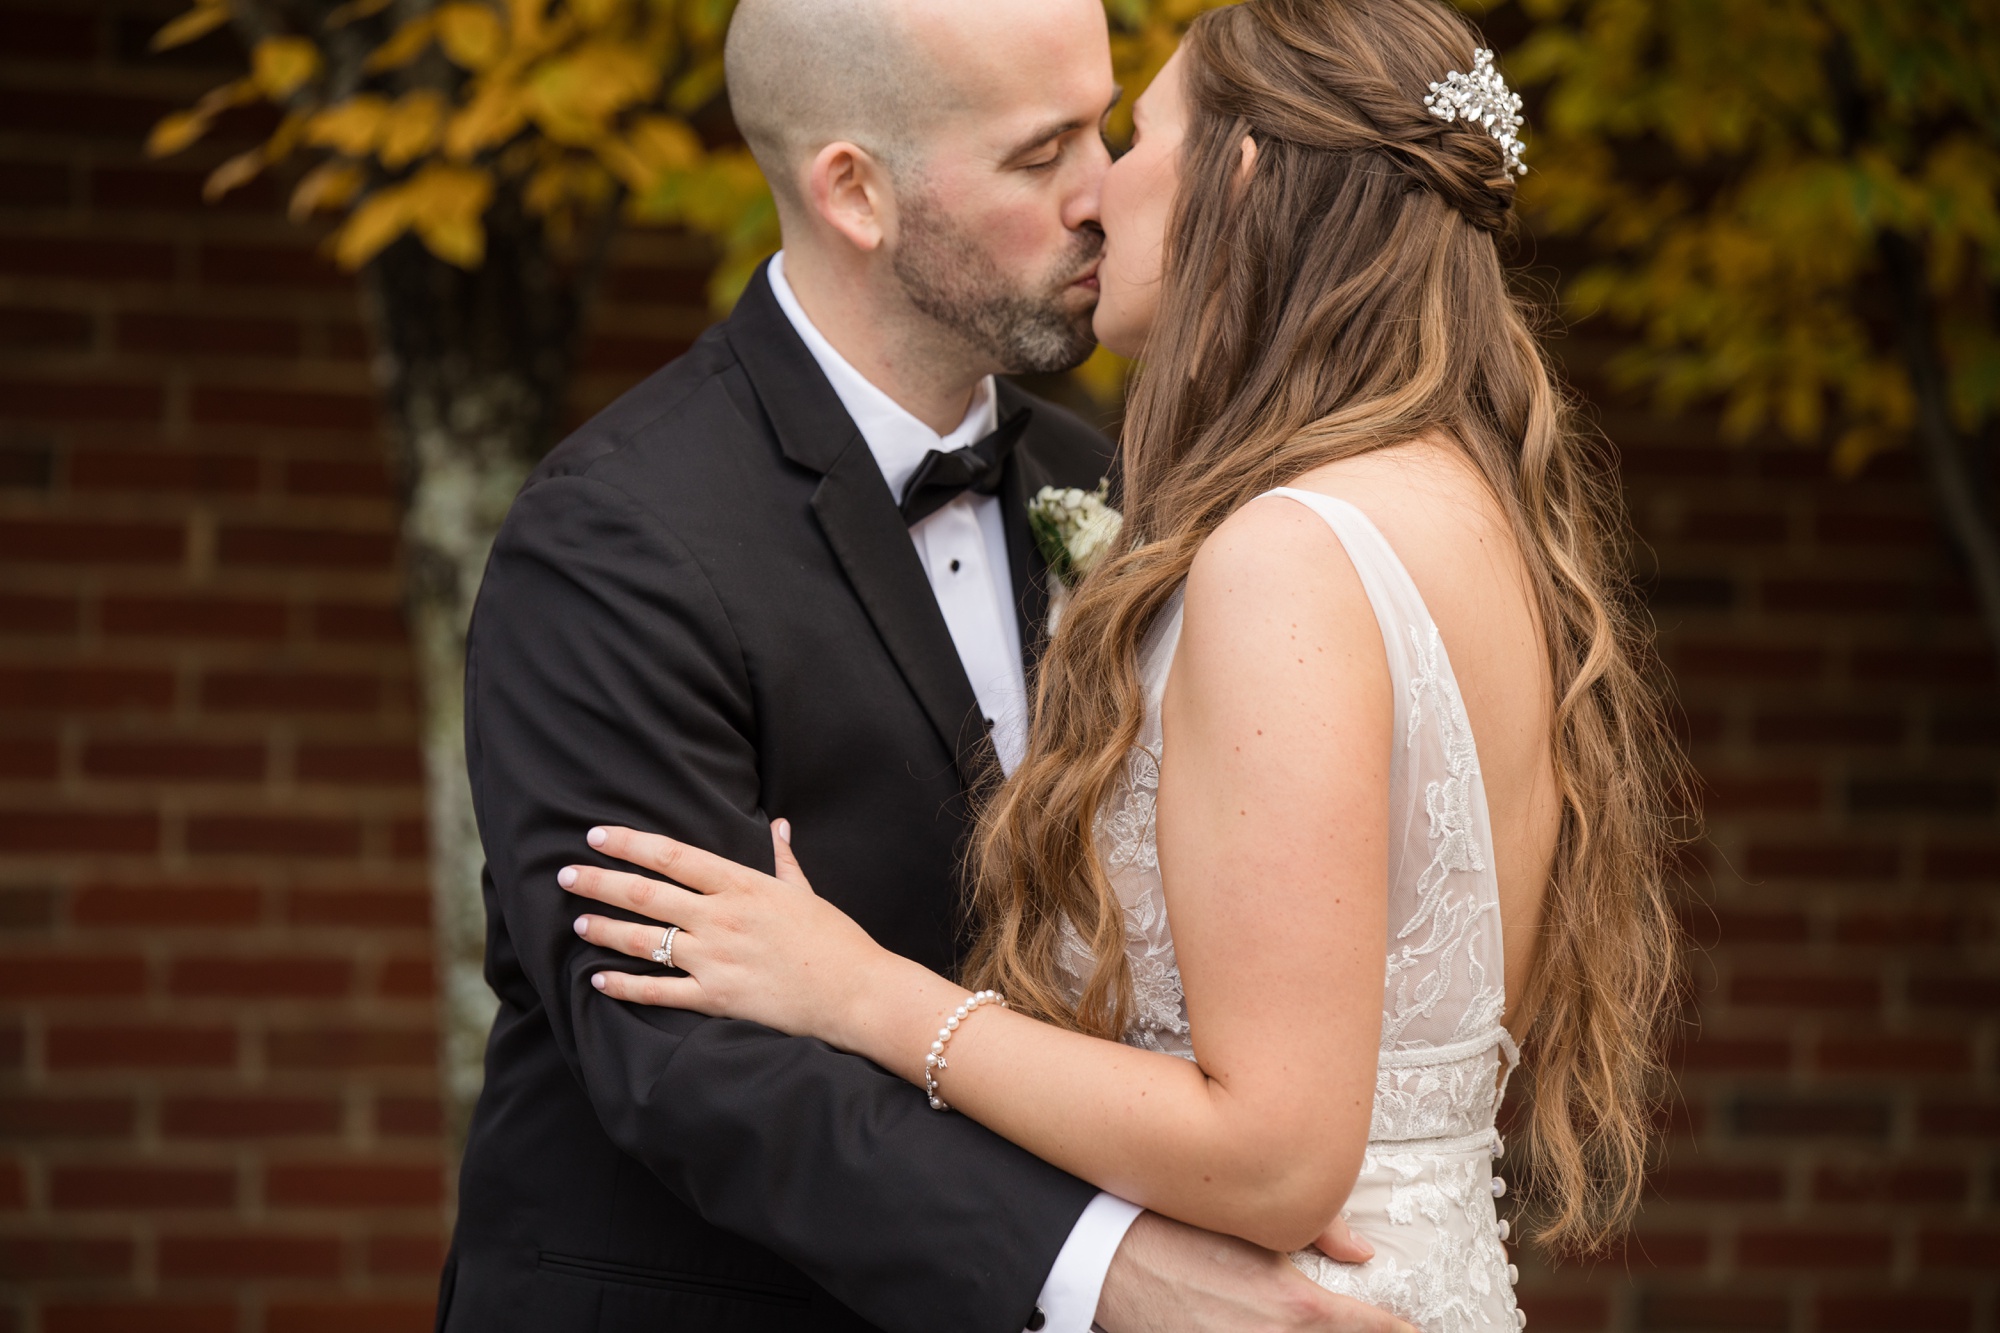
(1130, 836)
(1441, 934)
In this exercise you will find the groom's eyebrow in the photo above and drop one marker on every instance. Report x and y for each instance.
(1042, 138)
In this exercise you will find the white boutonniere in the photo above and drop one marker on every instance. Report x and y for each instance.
(1074, 529)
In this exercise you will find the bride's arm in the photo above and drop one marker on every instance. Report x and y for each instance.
(1273, 828)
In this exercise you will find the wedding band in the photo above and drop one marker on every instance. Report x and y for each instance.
(665, 953)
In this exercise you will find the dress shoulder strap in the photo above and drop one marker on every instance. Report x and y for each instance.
(1399, 608)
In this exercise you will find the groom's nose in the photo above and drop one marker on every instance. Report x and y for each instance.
(1082, 203)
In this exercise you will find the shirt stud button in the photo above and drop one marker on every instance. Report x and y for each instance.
(1036, 1321)
(954, 566)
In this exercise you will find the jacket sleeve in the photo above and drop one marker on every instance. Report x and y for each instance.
(604, 685)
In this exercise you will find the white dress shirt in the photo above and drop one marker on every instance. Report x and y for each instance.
(963, 548)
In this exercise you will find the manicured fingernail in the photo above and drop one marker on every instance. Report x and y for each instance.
(785, 831)
(597, 980)
(597, 837)
(1367, 1250)
(583, 925)
(566, 876)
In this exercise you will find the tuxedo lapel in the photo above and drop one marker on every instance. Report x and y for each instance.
(1026, 475)
(866, 531)
(860, 520)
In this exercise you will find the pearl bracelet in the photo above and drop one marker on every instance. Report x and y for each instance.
(935, 1060)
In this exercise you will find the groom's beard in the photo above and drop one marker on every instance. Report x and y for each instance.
(951, 279)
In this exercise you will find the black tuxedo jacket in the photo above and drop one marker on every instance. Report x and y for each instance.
(704, 611)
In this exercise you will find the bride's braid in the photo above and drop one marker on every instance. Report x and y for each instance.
(1348, 295)
(1371, 110)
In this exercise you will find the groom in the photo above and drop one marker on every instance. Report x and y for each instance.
(791, 574)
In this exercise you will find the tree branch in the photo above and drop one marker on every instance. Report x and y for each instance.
(1946, 453)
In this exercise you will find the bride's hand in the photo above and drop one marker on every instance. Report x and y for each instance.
(758, 947)
(1339, 1243)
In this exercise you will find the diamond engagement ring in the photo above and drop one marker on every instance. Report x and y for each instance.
(665, 953)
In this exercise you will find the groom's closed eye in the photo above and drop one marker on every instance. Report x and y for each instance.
(1044, 148)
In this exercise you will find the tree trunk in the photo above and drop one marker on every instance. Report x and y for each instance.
(1948, 462)
(473, 368)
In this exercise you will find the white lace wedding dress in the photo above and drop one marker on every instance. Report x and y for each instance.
(1425, 1196)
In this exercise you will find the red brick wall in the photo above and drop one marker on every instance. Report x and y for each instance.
(217, 1109)
(217, 1100)
(1831, 1165)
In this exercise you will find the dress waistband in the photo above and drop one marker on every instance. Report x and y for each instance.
(1486, 1143)
(1402, 1057)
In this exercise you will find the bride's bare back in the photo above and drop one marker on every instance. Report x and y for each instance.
(1454, 538)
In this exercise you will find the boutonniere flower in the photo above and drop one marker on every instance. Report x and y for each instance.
(1075, 530)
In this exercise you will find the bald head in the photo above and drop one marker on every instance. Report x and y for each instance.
(805, 73)
(936, 166)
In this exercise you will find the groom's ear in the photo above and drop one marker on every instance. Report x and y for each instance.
(850, 192)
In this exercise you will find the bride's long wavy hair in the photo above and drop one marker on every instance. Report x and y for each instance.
(1347, 296)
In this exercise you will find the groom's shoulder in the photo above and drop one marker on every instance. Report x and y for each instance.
(671, 421)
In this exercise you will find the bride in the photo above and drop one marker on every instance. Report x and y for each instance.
(1343, 786)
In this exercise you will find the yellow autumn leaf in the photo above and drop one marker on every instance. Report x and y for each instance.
(494, 116)
(670, 145)
(240, 92)
(525, 19)
(471, 34)
(460, 241)
(282, 65)
(412, 128)
(1857, 447)
(652, 148)
(639, 175)
(445, 204)
(175, 132)
(576, 95)
(699, 86)
(598, 13)
(381, 218)
(724, 196)
(237, 171)
(443, 190)
(355, 10)
(352, 127)
(192, 26)
(330, 185)
(406, 44)
(1104, 375)
(706, 20)
(563, 182)
(547, 190)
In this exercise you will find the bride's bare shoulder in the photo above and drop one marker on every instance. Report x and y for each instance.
(1271, 574)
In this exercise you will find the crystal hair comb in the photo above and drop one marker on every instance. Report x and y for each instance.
(1483, 97)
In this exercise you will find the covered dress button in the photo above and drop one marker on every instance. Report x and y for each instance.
(1499, 1187)
(1513, 1275)
(1502, 1229)
(1520, 1319)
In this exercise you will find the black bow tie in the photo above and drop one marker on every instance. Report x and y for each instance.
(943, 477)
